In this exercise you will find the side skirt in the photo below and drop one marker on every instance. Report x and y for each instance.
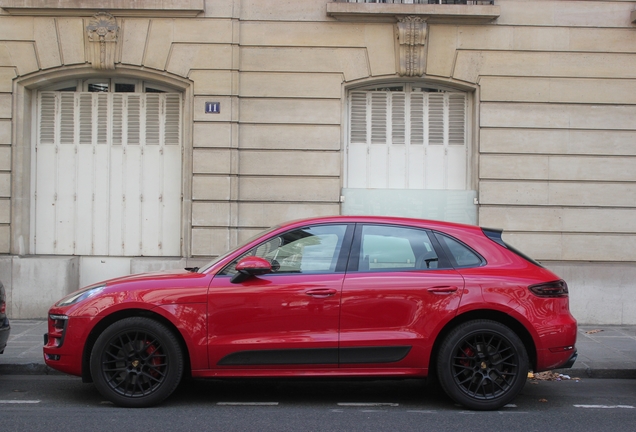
(320, 356)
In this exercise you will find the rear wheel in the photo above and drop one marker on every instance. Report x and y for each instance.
(136, 362)
(482, 365)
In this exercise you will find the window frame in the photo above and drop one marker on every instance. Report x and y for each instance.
(341, 262)
(407, 87)
(443, 262)
(450, 255)
(81, 87)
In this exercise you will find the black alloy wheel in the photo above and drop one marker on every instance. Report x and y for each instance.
(136, 362)
(482, 365)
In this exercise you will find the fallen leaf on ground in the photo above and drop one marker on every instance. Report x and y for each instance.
(549, 376)
(593, 331)
(545, 376)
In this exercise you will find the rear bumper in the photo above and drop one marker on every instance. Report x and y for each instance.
(570, 361)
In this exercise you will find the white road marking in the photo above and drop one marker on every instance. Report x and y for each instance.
(604, 406)
(247, 403)
(421, 411)
(366, 404)
(19, 401)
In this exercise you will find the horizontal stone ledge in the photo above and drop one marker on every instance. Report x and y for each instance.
(434, 13)
(148, 8)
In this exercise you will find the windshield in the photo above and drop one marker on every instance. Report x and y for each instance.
(221, 257)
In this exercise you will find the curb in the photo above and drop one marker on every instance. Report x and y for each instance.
(598, 373)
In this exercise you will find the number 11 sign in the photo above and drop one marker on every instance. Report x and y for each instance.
(213, 107)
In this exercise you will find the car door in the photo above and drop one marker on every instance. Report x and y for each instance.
(287, 318)
(399, 289)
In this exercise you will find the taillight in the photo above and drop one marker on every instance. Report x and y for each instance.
(3, 307)
(550, 289)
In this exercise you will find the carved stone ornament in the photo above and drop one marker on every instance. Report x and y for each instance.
(102, 33)
(411, 34)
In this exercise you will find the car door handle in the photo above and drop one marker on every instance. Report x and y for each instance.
(321, 292)
(443, 290)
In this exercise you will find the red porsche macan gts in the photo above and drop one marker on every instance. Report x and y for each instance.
(326, 297)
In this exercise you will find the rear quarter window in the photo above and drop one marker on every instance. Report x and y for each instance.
(460, 254)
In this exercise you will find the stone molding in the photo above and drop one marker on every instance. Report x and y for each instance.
(433, 13)
(102, 31)
(146, 8)
(411, 34)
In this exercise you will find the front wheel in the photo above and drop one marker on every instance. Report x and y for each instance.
(482, 365)
(136, 362)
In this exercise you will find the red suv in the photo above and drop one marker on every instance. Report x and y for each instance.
(326, 297)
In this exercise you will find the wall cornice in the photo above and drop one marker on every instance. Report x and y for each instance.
(120, 8)
(432, 13)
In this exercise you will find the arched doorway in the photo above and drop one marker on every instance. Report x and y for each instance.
(107, 168)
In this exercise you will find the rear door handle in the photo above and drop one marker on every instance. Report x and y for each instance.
(321, 292)
(443, 290)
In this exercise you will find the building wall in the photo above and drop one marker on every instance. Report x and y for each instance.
(554, 139)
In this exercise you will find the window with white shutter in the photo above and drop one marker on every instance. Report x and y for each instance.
(407, 153)
(108, 172)
(414, 138)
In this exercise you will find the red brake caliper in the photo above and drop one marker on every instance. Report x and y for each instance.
(155, 361)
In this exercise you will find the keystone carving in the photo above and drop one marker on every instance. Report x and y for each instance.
(411, 34)
(102, 31)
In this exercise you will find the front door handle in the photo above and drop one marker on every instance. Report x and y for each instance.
(443, 290)
(321, 292)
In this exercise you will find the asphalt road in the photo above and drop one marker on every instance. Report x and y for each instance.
(53, 403)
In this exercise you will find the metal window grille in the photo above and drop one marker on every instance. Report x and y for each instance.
(464, 2)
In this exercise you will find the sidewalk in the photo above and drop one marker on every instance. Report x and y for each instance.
(604, 351)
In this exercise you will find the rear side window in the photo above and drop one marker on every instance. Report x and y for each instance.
(395, 248)
(460, 254)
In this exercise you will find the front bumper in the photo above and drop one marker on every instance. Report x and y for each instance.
(64, 343)
(5, 329)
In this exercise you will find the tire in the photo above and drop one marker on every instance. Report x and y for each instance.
(482, 365)
(136, 362)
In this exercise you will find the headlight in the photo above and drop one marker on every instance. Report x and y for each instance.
(80, 295)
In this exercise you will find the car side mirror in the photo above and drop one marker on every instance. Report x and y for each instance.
(251, 266)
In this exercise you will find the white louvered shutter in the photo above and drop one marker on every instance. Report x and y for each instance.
(397, 162)
(358, 138)
(108, 174)
(457, 157)
(407, 140)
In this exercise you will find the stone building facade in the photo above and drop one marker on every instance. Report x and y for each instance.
(148, 135)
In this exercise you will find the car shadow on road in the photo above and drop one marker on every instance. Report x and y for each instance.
(310, 391)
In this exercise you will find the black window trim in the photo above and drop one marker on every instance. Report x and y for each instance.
(495, 235)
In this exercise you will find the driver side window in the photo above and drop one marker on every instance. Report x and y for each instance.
(305, 250)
